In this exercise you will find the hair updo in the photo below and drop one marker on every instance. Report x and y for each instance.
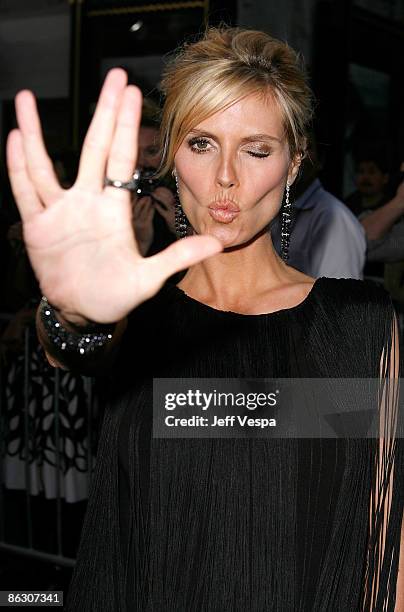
(225, 65)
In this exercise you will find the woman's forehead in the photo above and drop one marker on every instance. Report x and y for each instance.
(252, 114)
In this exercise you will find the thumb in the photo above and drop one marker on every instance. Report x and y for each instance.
(183, 254)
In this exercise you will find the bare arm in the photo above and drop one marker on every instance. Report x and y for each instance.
(379, 222)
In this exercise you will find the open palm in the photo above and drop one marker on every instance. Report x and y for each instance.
(81, 241)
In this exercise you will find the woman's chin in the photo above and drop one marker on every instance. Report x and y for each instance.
(228, 236)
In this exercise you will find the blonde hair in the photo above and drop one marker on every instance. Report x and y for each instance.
(225, 65)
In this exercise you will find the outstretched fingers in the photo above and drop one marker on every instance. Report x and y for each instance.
(39, 166)
(123, 154)
(23, 189)
(98, 140)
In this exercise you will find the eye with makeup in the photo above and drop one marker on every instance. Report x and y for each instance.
(258, 149)
(260, 153)
(199, 144)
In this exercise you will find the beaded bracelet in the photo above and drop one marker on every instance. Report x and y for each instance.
(77, 343)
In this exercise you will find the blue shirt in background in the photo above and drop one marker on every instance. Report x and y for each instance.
(326, 238)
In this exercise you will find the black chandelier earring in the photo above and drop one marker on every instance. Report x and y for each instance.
(286, 219)
(181, 221)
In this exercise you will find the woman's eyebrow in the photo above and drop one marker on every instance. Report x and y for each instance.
(251, 138)
(202, 133)
(254, 137)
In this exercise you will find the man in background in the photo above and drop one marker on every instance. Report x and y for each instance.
(384, 228)
(372, 176)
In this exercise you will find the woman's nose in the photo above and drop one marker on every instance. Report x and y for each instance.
(226, 173)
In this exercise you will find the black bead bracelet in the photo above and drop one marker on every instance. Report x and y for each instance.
(78, 343)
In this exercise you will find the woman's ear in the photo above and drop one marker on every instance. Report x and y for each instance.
(294, 168)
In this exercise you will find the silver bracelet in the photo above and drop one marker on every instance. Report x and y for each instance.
(79, 343)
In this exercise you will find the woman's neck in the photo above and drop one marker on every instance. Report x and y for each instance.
(233, 279)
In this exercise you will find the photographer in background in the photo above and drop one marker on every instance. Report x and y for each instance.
(153, 208)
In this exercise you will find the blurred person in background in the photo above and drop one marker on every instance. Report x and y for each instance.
(379, 206)
(384, 229)
(153, 209)
(327, 240)
(372, 176)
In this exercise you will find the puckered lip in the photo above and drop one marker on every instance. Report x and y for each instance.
(226, 205)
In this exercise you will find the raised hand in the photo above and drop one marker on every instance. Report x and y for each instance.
(81, 241)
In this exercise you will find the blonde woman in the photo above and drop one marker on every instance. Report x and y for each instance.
(212, 524)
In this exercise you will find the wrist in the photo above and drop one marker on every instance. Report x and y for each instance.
(75, 323)
(72, 322)
(69, 337)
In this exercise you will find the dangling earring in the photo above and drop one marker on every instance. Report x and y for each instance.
(181, 221)
(286, 219)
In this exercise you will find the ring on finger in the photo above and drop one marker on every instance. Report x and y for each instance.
(131, 185)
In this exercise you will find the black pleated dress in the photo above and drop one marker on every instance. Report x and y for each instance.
(252, 524)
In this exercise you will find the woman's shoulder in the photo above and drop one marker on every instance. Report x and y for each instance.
(346, 292)
(360, 311)
(349, 326)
